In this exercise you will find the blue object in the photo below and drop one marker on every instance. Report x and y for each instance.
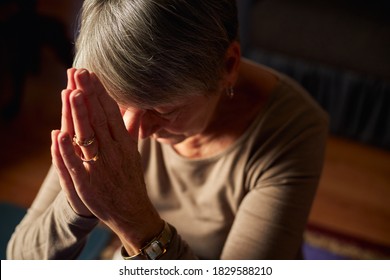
(315, 253)
(97, 241)
(10, 216)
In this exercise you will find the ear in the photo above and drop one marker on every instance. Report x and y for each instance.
(232, 63)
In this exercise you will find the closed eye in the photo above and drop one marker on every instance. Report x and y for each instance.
(166, 114)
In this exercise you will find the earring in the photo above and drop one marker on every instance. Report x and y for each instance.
(230, 92)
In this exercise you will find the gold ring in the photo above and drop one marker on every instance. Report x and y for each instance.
(92, 160)
(84, 143)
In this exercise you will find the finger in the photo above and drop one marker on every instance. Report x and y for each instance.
(132, 120)
(57, 161)
(123, 110)
(112, 106)
(66, 114)
(71, 161)
(111, 109)
(85, 136)
(66, 120)
(71, 82)
(66, 181)
(97, 115)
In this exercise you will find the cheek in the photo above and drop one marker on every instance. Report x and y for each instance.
(188, 122)
(176, 126)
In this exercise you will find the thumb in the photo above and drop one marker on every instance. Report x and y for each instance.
(71, 82)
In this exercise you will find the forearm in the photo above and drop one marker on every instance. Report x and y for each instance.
(56, 233)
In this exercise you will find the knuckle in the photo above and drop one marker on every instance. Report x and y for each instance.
(98, 122)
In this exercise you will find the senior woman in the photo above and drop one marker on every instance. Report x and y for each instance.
(181, 147)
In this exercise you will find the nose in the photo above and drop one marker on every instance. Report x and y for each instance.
(149, 125)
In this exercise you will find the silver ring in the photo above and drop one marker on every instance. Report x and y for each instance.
(85, 143)
(92, 160)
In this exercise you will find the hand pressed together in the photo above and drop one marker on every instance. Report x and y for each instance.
(101, 174)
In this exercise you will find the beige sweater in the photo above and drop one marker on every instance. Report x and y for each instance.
(249, 202)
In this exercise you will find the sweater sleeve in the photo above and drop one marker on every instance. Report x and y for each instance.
(281, 185)
(50, 229)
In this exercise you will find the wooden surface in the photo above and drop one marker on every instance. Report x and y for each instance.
(354, 192)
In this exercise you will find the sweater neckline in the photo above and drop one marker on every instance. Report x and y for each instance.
(170, 151)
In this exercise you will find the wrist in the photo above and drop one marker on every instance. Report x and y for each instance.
(136, 234)
(151, 250)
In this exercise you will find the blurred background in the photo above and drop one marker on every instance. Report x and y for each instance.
(338, 50)
(36, 49)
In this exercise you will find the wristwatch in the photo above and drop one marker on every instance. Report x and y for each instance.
(154, 249)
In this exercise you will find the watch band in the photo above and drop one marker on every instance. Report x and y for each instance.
(154, 249)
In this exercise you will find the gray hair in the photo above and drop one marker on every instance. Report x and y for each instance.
(151, 52)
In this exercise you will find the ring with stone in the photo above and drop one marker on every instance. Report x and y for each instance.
(85, 143)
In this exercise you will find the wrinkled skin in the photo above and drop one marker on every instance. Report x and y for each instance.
(112, 188)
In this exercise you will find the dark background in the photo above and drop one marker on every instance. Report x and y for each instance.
(338, 50)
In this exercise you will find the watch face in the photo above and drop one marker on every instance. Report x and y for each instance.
(154, 250)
